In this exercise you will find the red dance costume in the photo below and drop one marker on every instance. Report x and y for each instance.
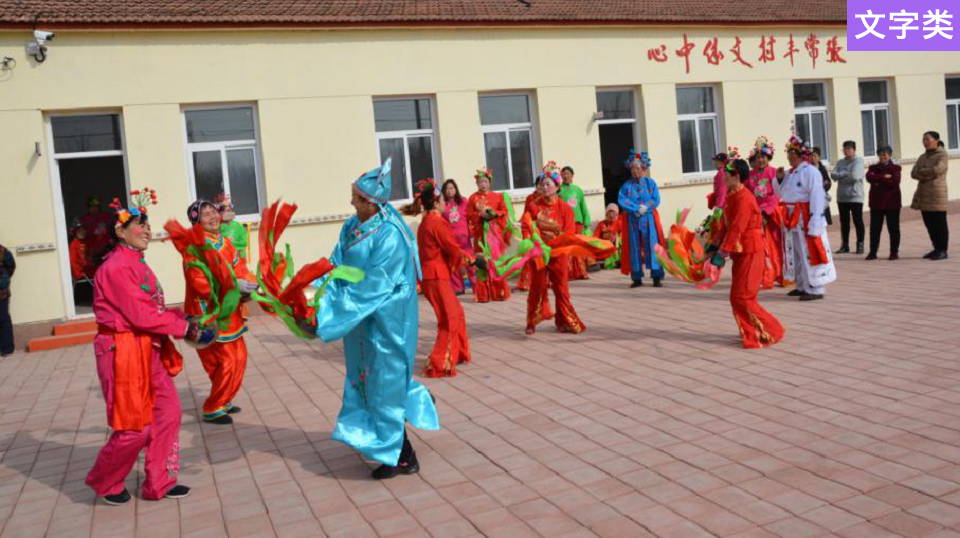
(226, 360)
(136, 362)
(439, 254)
(608, 230)
(743, 237)
(578, 265)
(566, 317)
(487, 288)
(524, 282)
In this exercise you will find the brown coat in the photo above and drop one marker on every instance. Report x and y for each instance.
(931, 171)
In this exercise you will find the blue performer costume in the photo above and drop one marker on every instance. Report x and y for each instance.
(377, 319)
(639, 198)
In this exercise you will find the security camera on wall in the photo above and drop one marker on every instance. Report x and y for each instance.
(43, 36)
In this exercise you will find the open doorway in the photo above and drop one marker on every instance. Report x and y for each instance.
(617, 126)
(89, 170)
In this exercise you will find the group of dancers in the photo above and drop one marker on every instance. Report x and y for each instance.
(366, 292)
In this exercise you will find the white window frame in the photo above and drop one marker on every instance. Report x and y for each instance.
(635, 120)
(873, 108)
(809, 111)
(953, 145)
(703, 168)
(193, 147)
(63, 239)
(406, 136)
(507, 128)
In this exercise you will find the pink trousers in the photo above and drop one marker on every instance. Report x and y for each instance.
(160, 439)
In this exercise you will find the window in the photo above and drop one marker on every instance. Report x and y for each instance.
(953, 113)
(875, 115)
(508, 140)
(812, 115)
(223, 156)
(699, 128)
(405, 134)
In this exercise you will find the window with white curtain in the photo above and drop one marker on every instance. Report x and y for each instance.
(699, 128)
(405, 133)
(875, 116)
(508, 140)
(812, 115)
(224, 156)
(953, 113)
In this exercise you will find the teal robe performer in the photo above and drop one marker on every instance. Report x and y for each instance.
(639, 199)
(378, 320)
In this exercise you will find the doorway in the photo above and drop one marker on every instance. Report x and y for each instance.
(616, 141)
(89, 172)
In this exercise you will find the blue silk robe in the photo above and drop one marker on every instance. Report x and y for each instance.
(378, 320)
(643, 229)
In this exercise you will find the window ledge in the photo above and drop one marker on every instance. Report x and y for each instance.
(700, 178)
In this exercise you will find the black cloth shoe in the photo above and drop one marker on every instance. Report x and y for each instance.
(942, 255)
(811, 297)
(222, 419)
(177, 492)
(843, 250)
(116, 500)
(859, 248)
(871, 256)
(594, 268)
(636, 284)
(894, 256)
(234, 410)
(796, 293)
(930, 254)
(408, 463)
(656, 283)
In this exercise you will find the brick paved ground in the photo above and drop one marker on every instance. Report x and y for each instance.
(651, 423)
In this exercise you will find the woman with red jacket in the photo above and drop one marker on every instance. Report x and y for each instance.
(885, 202)
(553, 218)
(742, 239)
(439, 255)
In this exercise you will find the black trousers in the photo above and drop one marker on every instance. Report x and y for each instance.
(6, 328)
(936, 223)
(892, 216)
(846, 210)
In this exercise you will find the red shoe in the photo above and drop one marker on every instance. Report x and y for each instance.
(530, 329)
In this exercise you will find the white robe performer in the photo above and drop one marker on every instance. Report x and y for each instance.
(805, 231)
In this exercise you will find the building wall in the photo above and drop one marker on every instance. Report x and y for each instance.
(313, 91)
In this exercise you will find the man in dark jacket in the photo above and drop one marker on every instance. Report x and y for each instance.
(7, 267)
(885, 202)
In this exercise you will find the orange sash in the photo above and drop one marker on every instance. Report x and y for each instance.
(133, 392)
(818, 254)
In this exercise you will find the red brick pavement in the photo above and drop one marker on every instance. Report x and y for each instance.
(653, 422)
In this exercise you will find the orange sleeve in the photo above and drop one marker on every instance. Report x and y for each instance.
(567, 226)
(236, 261)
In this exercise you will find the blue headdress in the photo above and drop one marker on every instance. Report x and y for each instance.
(642, 158)
(374, 186)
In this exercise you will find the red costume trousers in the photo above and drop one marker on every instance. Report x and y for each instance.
(758, 328)
(554, 275)
(452, 346)
(491, 290)
(159, 439)
(578, 265)
(773, 263)
(225, 363)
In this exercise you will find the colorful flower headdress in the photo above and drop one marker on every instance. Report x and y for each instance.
(733, 153)
(764, 146)
(223, 202)
(484, 172)
(551, 171)
(641, 159)
(423, 184)
(141, 200)
(797, 145)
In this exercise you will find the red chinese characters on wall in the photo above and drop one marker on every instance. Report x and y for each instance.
(713, 53)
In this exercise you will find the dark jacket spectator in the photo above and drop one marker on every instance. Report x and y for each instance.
(884, 180)
(7, 267)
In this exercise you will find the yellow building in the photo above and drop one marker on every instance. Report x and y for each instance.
(295, 101)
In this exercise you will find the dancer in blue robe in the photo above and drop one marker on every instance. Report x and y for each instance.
(639, 199)
(377, 319)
